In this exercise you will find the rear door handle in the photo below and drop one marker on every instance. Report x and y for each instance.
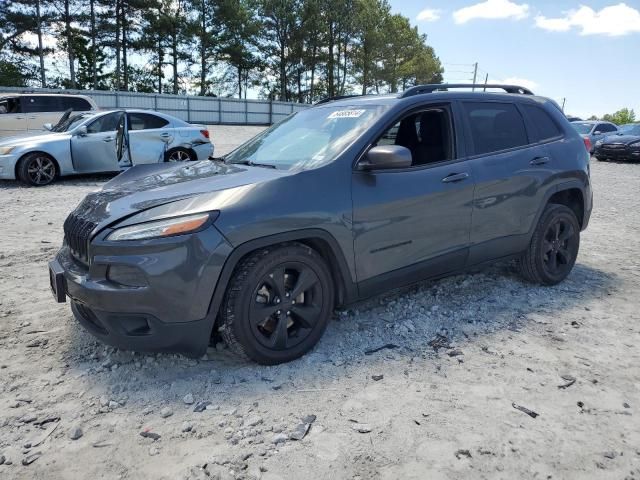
(455, 177)
(539, 161)
(165, 135)
(107, 139)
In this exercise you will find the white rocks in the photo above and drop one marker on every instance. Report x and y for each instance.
(104, 401)
(153, 451)
(252, 421)
(188, 399)
(361, 427)
(75, 433)
(166, 412)
(186, 427)
(279, 438)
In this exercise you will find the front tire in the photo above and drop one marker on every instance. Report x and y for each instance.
(278, 304)
(554, 246)
(37, 169)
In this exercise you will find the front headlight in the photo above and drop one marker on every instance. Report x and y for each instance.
(598, 143)
(7, 150)
(161, 228)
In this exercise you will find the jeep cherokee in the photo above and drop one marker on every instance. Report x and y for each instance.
(337, 203)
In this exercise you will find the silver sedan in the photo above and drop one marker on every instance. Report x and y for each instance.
(107, 141)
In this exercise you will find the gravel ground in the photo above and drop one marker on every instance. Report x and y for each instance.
(439, 405)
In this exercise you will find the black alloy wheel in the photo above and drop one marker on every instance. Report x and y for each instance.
(278, 303)
(37, 169)
(559, 247)
(553, 248)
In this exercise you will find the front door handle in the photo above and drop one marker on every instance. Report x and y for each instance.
(108, 139)
(539, 161)
(165, 135)
(455, 177)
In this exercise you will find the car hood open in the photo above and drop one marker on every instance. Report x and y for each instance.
(147, 186)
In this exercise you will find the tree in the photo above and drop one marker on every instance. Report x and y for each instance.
(238, 41)
(204, 29)
(621, 116)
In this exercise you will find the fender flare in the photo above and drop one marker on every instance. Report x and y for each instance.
(571, 184)
(347, 284)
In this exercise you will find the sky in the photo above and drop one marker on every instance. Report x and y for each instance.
(585, 52)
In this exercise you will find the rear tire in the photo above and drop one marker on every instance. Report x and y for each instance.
(178, 155)
(36, 169)
(278, 304)
(554, 246)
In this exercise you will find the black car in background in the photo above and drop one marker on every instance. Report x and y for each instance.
(625, 145)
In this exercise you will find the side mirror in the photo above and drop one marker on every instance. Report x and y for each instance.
(81, 131)
(384, 157)
(47, 126)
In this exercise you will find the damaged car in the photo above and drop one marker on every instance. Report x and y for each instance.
(337, 203)
(108, 141)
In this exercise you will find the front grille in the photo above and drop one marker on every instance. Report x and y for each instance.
(76, 235)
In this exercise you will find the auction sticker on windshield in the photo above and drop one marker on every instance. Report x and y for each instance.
(347, 114)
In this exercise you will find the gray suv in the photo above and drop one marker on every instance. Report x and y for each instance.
(337, 203)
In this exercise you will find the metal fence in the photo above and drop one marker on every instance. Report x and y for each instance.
(193, 109)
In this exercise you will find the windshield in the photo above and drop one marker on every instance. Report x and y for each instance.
(71, 122)
(582, 128)
(630, 129)
(309, 138)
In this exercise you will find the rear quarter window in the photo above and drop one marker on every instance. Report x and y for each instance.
(76, 104)
(495, 126)
(145, 121)
(544, 127)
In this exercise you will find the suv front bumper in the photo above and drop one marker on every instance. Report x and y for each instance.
(151, 295)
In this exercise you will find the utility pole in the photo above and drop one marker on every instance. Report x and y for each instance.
(564, 99)
(475, 75)
(486, 79)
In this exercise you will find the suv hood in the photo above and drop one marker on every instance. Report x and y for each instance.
(625, 139)
(146, 186)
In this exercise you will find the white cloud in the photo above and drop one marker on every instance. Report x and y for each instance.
(614, 20)
(428, 15)
(521, 82)
(492, 9)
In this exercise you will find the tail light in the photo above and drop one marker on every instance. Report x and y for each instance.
(205, 133)
(587, 143)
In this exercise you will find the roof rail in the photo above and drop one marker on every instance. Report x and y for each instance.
(337, 97)
(419, 89)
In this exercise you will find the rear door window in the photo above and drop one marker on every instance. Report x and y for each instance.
(145, 121)
(41, 103)
(76, 104)
(494, 126)
(606, 128)
(545, 128)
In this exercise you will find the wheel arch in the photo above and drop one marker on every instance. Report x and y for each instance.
(320, 240)
(568, 194)
(186, 148)
(42, 152)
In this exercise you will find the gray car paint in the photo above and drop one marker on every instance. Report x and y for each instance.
(383, 228)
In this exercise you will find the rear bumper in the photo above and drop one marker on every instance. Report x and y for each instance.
(204, 150)
(149, 295)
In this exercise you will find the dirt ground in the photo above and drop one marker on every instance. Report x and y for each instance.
(440, 405)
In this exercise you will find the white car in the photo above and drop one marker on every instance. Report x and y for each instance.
(106, 141)
(20, 112)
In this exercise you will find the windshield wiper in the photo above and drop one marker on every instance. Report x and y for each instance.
(255, 164)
